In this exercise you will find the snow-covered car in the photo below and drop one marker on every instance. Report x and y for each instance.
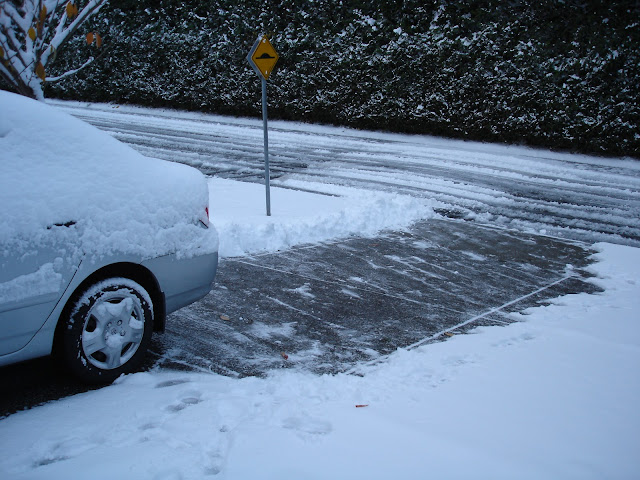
(97, 242)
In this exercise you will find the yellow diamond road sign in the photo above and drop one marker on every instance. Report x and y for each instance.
(263, 57)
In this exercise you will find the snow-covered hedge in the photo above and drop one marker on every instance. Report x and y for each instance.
(562, 74)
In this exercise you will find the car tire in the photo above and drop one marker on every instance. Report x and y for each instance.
(107, 330)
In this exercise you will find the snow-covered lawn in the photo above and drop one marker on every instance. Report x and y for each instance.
(553, 396)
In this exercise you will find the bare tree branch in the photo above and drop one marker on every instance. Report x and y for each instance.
(31, 31)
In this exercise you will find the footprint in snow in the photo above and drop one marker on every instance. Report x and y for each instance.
(183, 403)
(217, 455)
(308, 427)
(189, 399)
(215, 466)
(48, 460)
(172, 383)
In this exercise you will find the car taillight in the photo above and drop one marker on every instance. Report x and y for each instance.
(205, 218)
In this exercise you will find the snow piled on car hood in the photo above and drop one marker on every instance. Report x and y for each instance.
(57, 170)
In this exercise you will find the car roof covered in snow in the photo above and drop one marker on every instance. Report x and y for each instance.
(56, 169)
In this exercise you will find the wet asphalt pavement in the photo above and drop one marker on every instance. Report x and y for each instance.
(330, 307)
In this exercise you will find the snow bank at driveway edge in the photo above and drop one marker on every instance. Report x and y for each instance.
(239, 215)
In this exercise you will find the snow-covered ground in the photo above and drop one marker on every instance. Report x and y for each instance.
(554, 395)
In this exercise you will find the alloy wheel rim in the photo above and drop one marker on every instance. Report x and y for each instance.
(113, 330)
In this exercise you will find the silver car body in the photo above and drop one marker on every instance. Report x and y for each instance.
(150, 226)
(28, 325)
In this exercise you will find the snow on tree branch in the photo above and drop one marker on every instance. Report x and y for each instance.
(32, 31)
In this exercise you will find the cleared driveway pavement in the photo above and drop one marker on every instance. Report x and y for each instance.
(327, 307)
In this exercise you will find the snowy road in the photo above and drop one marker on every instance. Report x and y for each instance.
(569, 196)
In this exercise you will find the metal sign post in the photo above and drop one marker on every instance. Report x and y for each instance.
(263, 58)
(266, 146)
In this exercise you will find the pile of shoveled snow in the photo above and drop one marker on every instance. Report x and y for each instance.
(238, 211)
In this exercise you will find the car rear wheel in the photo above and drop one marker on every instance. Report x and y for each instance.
(107, 331)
